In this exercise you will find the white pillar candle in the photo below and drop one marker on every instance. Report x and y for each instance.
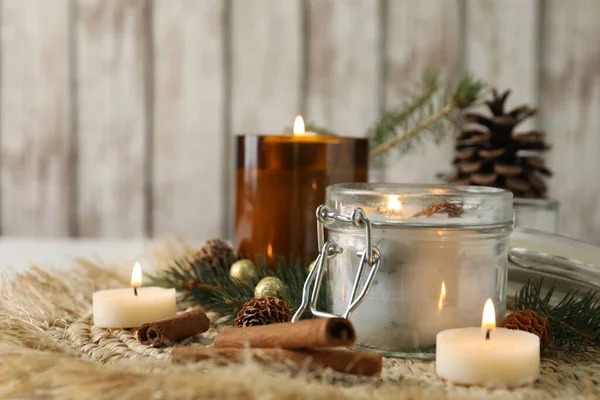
(508, 358)
(132, 307)
(120, 308)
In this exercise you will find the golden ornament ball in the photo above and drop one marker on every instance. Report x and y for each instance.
(244, 270)
(269, 286)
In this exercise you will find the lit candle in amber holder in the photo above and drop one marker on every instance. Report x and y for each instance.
(281, 181)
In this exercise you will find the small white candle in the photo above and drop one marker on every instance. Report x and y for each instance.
(132, 307)
(488, 356)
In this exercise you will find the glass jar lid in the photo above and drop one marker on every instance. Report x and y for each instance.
(423, 205)
(567, 263)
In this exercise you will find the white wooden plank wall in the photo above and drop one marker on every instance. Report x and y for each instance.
(117, 116)
(111, 67)
(344, 66)
(421, 36)
(510, 28)
(34, 118)
(267, 64)
(570, 105)
(189, 137)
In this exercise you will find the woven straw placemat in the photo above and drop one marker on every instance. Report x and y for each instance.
(49, 348)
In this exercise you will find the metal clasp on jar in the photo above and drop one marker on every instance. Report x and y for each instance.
(369, 257)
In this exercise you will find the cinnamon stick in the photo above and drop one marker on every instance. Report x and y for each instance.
(310, 333)
(350, 362)
(166, 331)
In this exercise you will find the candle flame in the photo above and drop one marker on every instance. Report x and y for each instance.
(442, 296)
(269, 250)
(488, 321)
(299, 125)
(394, 203)
(136, 276)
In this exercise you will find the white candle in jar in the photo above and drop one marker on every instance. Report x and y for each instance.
(436, 267)
(429, 280)
(132, 307)
(488, 355)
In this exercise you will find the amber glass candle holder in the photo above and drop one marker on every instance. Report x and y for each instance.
(280, 182)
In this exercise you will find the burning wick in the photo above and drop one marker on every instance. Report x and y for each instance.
(488, 320)
(136, 277)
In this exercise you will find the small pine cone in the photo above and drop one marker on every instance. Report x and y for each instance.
(215, 249)
(263, 311)
(529, 321)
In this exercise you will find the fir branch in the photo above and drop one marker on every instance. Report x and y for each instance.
(436, 108)
(209, 284)
(430, 108)
(574, 321)
(385, 128)
(382, 148)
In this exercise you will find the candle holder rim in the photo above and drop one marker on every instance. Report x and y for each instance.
(448, 190)
(286, 137)
(496, 204)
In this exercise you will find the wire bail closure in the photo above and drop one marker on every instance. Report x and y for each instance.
(330, 249)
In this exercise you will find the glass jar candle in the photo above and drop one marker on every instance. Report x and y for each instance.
(280, 180)
(437, 253)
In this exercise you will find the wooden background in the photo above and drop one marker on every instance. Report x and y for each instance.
(117, 116)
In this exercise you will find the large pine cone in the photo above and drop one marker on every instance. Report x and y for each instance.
(263, 311)
(529, 321)
(215, 249)
(489, 153)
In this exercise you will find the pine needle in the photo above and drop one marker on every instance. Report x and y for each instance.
(385, 129)
(574, 321)
(432, 108)
(432, 112)
(210, 286)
